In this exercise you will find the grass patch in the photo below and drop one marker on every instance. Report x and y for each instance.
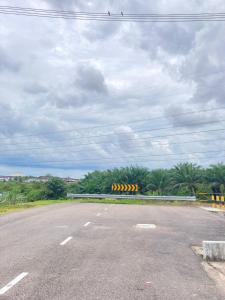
(141, 202)
(4, 208)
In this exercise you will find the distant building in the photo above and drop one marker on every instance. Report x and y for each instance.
(37, 179)
(31, 179)
(43, 178)
(7, 178)
(69, 179)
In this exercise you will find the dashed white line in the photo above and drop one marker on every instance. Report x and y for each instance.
(146, 226)
(98, 215)
(86, 224)
(66, 241)
(12, 283)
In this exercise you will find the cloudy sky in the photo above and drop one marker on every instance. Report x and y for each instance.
(76, 96)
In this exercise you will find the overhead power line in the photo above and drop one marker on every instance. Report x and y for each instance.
(134, 148)
(5, 153)
(111, 161)
(46, 133)
(112, 17)
(129, 139)
(146, 156)
(121, 133)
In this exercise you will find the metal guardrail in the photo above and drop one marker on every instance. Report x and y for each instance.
(134, 197)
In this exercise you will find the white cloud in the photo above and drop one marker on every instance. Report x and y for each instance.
(58, 76)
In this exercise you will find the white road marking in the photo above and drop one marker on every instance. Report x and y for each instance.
(66, 240)
(146, 226)
(212, 209)
(12, 283)
(86, 224)
(106, 209)
(98, 215)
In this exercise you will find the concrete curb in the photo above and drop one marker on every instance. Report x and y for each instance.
(214, 250)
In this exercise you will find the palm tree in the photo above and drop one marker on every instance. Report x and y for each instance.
(216, 176)
(158, 180)
(187, 175)
(132, 174)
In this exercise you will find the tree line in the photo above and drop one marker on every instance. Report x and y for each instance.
(182, 179)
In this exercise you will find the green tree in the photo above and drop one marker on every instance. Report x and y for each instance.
(55, 188)
(101, 181)
(73, 188)
(158, 181)
(37, 194)
(216, 173)
(215, 176)
(188, 176)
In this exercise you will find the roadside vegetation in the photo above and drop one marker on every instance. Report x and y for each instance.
(182, 179)
(7, 207)
(14, 192)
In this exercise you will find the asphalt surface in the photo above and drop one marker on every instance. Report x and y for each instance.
(94, 251)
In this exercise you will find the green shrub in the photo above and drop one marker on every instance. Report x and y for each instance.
(13, 198)
(55, 188)
(35, 195)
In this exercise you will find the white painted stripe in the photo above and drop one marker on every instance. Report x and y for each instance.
(98, 215)
(106, 209)
(146, 226)
(62, 226)
(12, 283)
(86, 224)
(66, 240)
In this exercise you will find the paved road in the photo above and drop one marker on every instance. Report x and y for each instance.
(94, 251)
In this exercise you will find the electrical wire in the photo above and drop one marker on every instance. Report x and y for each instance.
(105, 14)
(131, 157)
(118, 132)
(134, 149)
(46, 133)
(112, 16)
(111, 162)
(127, 139)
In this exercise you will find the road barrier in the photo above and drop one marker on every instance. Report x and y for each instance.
(134, 197)
(217, 201)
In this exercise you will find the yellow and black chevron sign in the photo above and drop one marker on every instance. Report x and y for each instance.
(125, 187)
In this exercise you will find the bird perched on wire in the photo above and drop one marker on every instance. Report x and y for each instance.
(109, 13)
(121, 13)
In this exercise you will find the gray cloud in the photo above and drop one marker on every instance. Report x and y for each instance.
(205, 65)
(177, 114)
(35, 88)
(91, 79)
(7, 62)
(61, 76)
(174, 39)
(66, 4)
(67, 99)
